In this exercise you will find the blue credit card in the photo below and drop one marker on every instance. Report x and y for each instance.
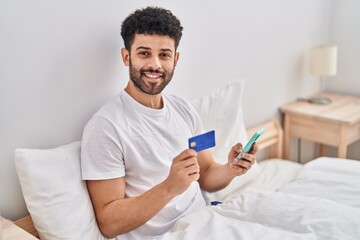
(202, 141)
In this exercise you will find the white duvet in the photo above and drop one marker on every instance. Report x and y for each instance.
(323, 202)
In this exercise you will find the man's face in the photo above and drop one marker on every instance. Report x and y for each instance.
(151, 61)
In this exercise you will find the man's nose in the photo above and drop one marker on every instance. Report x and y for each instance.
(154, 63)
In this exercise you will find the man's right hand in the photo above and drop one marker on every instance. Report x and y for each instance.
(184, 170)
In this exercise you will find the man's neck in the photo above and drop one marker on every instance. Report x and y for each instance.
(151, 101)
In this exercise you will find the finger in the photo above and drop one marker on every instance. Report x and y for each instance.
(239, 169)
(243, 164)
(194, 176)
(248, 157)
(189, 162)
(192, 170)
(254, 148)
(187, 153)
(237, 148)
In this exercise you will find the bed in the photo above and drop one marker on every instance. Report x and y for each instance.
(276, 199)
(322, 202)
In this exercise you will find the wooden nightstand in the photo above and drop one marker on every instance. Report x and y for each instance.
(11, 231)
(336, 124)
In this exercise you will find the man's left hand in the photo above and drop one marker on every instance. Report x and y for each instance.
(238, 167)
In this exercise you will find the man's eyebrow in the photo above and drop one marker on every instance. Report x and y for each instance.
(166, 49)
(145, 48)
(148, 48)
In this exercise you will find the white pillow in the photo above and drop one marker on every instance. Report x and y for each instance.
(55, 195)
(222, 111)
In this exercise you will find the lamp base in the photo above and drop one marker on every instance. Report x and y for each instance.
(320, 100)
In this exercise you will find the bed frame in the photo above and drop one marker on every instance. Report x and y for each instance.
(272, 140)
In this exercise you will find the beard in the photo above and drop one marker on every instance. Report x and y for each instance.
(136, 76)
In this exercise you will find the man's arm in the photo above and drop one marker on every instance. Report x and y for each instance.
(214, 176)
(117, 215)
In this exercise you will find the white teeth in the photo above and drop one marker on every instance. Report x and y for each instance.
(152, 76)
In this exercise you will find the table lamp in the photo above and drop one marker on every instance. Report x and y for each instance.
(323, 61)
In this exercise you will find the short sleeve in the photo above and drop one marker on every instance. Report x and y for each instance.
(101, 151)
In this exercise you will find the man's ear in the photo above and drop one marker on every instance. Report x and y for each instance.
(177, 55)
(125, 54)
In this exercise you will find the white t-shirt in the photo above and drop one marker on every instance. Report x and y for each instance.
(125, 138)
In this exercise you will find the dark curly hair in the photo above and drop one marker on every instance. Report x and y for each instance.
(151, 20)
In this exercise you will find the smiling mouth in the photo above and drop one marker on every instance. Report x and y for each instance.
(153, 76)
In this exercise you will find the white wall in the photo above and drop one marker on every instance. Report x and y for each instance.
(60, 60)
(345, 32)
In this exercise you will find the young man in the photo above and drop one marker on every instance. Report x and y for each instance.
(140, 174)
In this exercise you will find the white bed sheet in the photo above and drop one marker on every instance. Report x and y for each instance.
(266, 175)
(331, 178)
(322, 202)
(274, 173)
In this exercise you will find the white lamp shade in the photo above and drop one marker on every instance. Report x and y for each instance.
(323, 60)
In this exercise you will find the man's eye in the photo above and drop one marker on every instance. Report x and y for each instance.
(144, 53)
(164, 55)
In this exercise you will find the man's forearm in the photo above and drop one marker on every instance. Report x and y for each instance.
(215, 178)
(123, 215)
(117, 214)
